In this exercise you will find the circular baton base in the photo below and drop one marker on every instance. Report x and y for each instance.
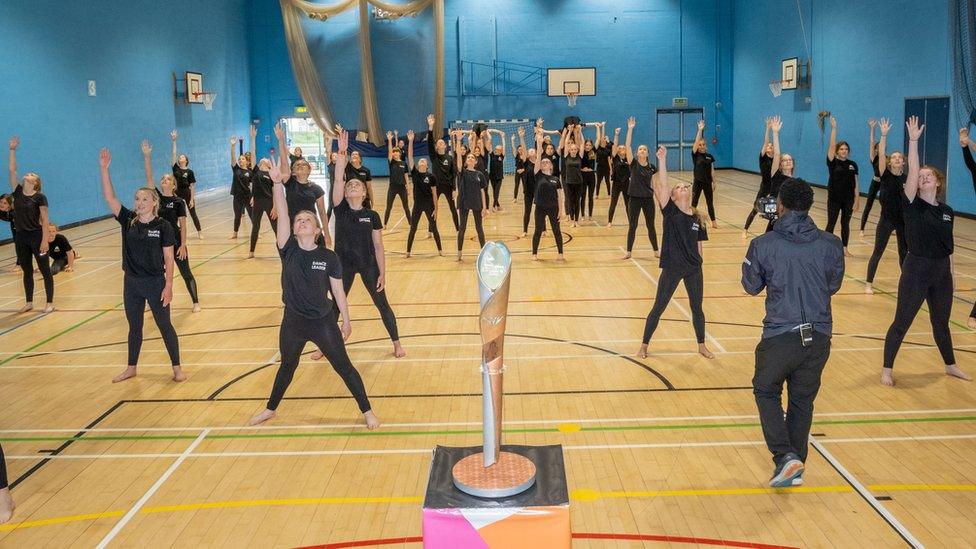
(511, 474)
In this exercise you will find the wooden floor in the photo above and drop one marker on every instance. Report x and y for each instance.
(663, 449)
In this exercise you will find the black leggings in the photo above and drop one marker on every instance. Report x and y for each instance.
(666, 286)
(463, 224)
(58, 265)
(431, 223)
(185, 195)
(589, 184)
(574, 193)
(448, 193)
(634, 209)
(872, 194)
(370, 276)
(552, 212)
(392, 192)
(618, 190)
(3, 470)
(844, 209)
(929, 280)
(696, 190)
(602, 176)
(496, 189)
(187, 275)
(261, 207)
(518, 181)
(324, 333)
(136, 292)
(242, 203)
(28, 245)
(881, 236)
(753, 212)
(527, 211)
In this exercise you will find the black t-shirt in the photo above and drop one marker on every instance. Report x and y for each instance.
(262, 187)
(840, 186)
(519, 165)
(331, 168)
(184, 178)
(354, 235)
(27, 209)
(172, 208)
(572, 170)
(305, 278)
(496, 168)
(8, 216)
(775, 182)
(59, 247)
(528, 180)
(928, 228)
(481, 164)
(891, 195)
(703, 166)
(588, 162)
(398, 171)
(423, 188)
(679, 246)
(547, 191)
(877, 168)
(554, 157)
(621, 171)
(241, 185)
(765, 169)
(361, 173)
(143, 243)
(470, 184)
(301, 196)
(603, 158)
(442, 165)
(641, 185)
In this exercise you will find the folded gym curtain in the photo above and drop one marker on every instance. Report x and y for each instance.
(962, 33)
(311, 86)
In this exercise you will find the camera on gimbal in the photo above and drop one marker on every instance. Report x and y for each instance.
(766, 206)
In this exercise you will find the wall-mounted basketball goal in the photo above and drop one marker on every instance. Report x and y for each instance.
(571, 82)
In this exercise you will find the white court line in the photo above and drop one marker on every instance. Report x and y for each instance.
(675, 302)
(426, 451)
(476, 423)
(867, 495)
(149, 493)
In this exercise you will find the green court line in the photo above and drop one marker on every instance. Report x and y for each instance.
(457, 432)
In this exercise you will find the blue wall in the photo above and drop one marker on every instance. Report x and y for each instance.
(645, 52)
(51, 48)
(867, 58)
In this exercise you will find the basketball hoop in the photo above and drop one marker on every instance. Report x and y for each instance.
(776, 87)
(571, 98)
(208, 99)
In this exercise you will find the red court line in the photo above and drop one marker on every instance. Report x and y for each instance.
(576, 535)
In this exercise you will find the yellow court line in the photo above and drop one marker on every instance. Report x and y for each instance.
(579, 495)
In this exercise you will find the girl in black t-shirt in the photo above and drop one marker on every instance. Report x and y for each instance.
(782, 167)
(640, 190)
(471, 186)
(30, 214)
(309, 273)
(604, 151)
(765, 174)
(356, 170)
(843, 198)
(62, 254)
(496, 165)
(424, 196)
(186, 183)
(892, 188)
(519, 153)
(704, 173)
(589, 178)
(147, 260)
(620, 178)
(527, 157)
(967, 156)
(876, 179)
(572, 179)
(302, 194)
(549, 201)
(681, 256)
(398, 180)
(241, 166)
(926, 275)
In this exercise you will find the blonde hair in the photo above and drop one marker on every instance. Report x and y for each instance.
(36, 178)
(155, 201)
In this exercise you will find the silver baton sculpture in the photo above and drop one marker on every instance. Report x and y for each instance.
(493, 473)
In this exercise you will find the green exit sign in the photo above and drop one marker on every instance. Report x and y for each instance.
(301, 109)
(679, 102)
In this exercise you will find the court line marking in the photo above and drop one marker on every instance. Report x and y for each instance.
(149, 493)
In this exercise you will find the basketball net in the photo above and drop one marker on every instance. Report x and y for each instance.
(571, 98)
(208, 100)
(776, 87)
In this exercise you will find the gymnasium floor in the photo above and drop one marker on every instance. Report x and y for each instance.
(666, 449)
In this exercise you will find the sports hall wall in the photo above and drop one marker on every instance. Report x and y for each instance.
(645, 52)
(51, 48)
(868, 56)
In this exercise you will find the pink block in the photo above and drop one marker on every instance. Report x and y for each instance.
(448, 529)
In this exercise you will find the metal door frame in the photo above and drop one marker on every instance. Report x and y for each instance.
(680, 144)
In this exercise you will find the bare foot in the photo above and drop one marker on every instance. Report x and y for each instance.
(626, 255)
(6, 506)
(430, 235)
(642, 352)
(745, 234)
(459, 256)
(407, 256)
(261, 417)
(440, 253)
(26, 308)
(398, 351)
(130, 372)
(703, 351)
(954, 371)
(49, 308)
(887, 379)
(714, 224)
(372, 422)
(199, 236)
(178, 375)
(196, 308)
(848, 253)
(862, 235)
(657, 253)
(535, 257)
(233, 236)
(609, 224)
(524, 234)
(560, 257)
(316, 355)
(971, 323)
(250, 255)
(868, 289)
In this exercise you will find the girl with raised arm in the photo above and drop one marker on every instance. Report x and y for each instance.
(242, 166)
(681, 255)
(147, 260)
(261, 201)
(572, 153)
(186, 183)
(765, 174)
(641, 191)
(927, 273)
(876, 179)
(309, 272)
(30, 215)
(588, 168)
(783, 166)
(967, 156)
(172, 209)
(302, 195)
(444, 168)
(704, 173)
(471, 185)
(359, 243)
(496, 167)
(843, 199)
(398, 180)
(620, 175)
(892, 188)
(604, 150)
(528, 181)
(519, 153)
(356, 170)
(549, 201)
(424, 196)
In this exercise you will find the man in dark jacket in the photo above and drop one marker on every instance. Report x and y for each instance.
(800, 267)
